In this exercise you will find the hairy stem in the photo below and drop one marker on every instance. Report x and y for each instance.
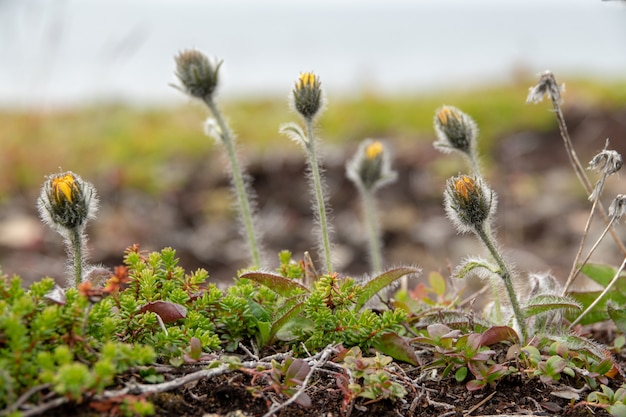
(505, 274)
(76, 249)
(319, 196)
(369, 209)
(245, 209)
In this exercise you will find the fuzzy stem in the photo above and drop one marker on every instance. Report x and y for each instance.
(319, 195)
(238, 182)
(597, 300)
(505, 274)
(474, 163)
(580, 171)
(75, 248)
(369, 208)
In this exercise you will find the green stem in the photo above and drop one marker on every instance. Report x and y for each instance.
(76, 248)
(369, 208)
(505, 274)
(319, 195)
(241, 191)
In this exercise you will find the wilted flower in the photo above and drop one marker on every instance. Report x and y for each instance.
(67, 202)
(197, 74)
(371, 166)
(307, 95)
(606, 162)
(547, 85)
(469, 202)
(618, 207)
(455, 130)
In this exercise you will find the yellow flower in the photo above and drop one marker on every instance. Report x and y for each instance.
(64, 186)
(445, 113)
(307, 79)
(464, 186)
(374, 149)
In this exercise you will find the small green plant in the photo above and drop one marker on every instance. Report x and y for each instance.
(613, 401)
(286, 377)
(372, 378)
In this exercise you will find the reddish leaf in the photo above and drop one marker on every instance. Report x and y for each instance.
(168, 311)
(498, 334)
(281, 285)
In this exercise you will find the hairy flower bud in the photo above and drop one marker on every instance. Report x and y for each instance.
(455, 130)
(371, 166)
(67, 202)
(197, 74)
(469, 202)
(307, 95)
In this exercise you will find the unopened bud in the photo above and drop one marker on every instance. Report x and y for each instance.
(371, 166)
(307, 95)
(455, 130)
(197, 74)
(67, 202)
(469, 203)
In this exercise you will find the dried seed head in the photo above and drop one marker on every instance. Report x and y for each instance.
(67, 202)
(455, 130)
(618, 207)
(370, 168)
(547, 85)
(606, 161)
(197, 74)
(469, 203)
(307, 95)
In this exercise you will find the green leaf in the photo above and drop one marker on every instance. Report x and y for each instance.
(397, 347)
(599, 312)
(264, 332)
(287, 332)
(283, 286)
(381, 281)
(549, 302)
(618, 315)
(603, 274)
(617, 410)
(437, 283)
(290, 315)
(600, 273)
(461, 374)
(468, 266)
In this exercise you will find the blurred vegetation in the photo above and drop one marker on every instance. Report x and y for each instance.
(138, 146)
